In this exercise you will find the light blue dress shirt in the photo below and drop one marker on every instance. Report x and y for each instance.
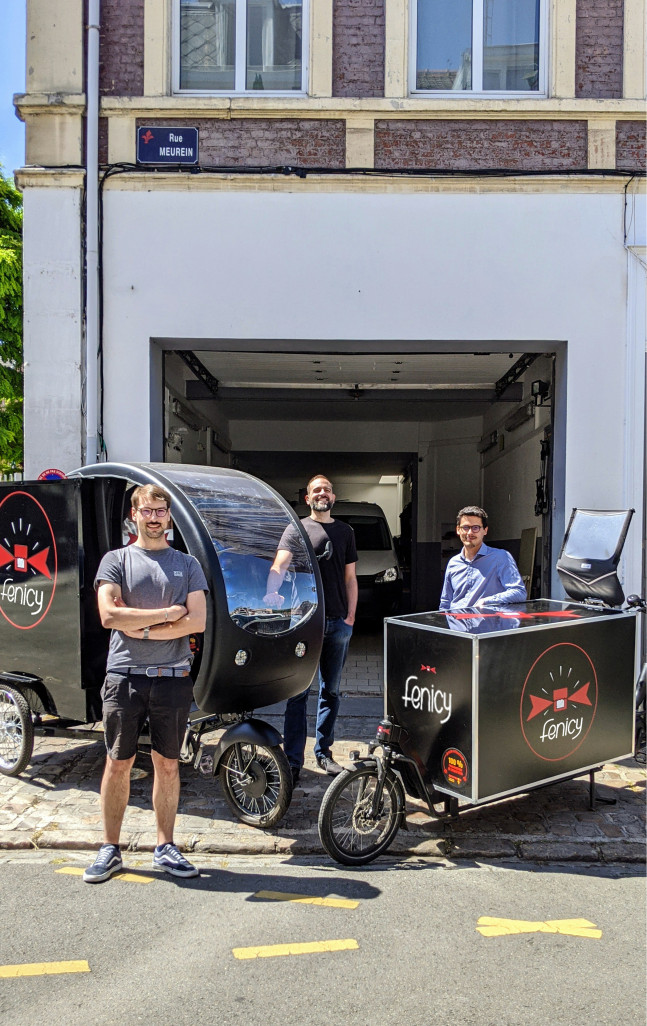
(492, 575)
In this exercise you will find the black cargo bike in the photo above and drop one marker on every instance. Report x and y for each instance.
(53, 648)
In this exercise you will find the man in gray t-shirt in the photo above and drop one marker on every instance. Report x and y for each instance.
(152, 597)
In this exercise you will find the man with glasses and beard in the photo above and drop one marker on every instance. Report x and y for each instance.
(334, 545)
(151, 597)
(479, 575)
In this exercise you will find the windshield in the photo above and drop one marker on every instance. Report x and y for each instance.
(245, 521)
(595, 534)
(371, 532)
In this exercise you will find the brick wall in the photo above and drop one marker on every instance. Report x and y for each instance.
(631, 149)
(471, 144)
(599, 48)
(263, 141)
(121, 54)
(358, 48)
(102, 140)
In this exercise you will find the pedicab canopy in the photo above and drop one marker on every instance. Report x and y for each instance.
(52, 537)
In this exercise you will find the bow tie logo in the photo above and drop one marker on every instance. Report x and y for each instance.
(22, 561)
(560, 700)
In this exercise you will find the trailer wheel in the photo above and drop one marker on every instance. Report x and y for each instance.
(257, 783)
(348, 830)
(16, 732)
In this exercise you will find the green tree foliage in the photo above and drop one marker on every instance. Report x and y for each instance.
(11, 394)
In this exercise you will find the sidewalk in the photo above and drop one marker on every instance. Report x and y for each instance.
(54, 804)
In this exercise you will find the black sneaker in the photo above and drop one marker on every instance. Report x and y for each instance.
(329, 766)
(169, 858)
(296, 773)
(107, 862)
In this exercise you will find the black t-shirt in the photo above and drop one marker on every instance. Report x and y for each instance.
(332, 569)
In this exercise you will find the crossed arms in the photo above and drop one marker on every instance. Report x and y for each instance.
(165, 624)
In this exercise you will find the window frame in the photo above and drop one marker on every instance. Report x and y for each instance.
(240, 67)
(541, 93)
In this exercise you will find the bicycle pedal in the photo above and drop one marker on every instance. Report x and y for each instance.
(204, 763)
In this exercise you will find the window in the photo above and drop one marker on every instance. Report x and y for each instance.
(371, 533)
(239, 45)
(478, 46)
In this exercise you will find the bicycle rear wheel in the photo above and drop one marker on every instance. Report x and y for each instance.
(257, 783)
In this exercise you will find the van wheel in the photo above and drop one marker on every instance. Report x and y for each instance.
(16, 732)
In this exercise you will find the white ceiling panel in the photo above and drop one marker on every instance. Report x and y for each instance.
(308, 370)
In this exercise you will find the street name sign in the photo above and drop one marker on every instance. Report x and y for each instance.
(157, 144)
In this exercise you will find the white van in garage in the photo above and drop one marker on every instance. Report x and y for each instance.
(378, 571)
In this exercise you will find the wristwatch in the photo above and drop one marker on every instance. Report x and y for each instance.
(147, 631)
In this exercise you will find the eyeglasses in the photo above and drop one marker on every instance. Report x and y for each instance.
(470, 527)
(148, 513)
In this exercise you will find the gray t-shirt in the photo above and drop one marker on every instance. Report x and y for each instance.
(150, 579)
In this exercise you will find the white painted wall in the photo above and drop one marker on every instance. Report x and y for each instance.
(510, 474)
(334, 436)
(448, 473)
(52, 330)
(516, 268)
(448, 469)
(386, 496)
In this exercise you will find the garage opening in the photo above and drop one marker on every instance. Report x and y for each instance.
(418, 433)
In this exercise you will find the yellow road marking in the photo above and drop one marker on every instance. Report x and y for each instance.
(301, 899)
(309, 948)
(492, 927)
(43, 969)
(128, 877)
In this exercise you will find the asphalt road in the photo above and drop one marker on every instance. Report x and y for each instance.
(400, 944)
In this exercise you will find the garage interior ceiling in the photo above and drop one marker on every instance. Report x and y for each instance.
(352, 386)
(364, 468)
(308, 370)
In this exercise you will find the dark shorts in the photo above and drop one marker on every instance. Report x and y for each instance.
(129, 700)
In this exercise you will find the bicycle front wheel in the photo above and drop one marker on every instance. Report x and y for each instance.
(348, 828)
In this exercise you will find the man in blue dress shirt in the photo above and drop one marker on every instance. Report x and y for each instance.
(479, 576)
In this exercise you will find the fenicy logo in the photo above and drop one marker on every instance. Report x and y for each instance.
(425, 698)
(559, 701)
(28, 561)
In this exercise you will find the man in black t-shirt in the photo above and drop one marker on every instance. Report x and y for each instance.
(334, 545)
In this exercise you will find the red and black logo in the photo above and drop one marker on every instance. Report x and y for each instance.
(28, 561)
(559, 701)
(455, 768)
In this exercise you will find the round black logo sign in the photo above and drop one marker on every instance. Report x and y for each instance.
(558, 701)
(455, 767)
(28, 561)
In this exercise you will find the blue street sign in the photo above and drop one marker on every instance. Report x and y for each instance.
(158, 144)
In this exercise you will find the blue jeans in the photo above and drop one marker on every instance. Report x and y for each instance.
(337, 635)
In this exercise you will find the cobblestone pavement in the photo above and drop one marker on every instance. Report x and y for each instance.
(55, 804)
(364, 668)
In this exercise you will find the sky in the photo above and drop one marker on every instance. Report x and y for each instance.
(12, 80)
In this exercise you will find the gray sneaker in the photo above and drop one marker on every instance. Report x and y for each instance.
(329, 766)
(171, 860)
(107, 862)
